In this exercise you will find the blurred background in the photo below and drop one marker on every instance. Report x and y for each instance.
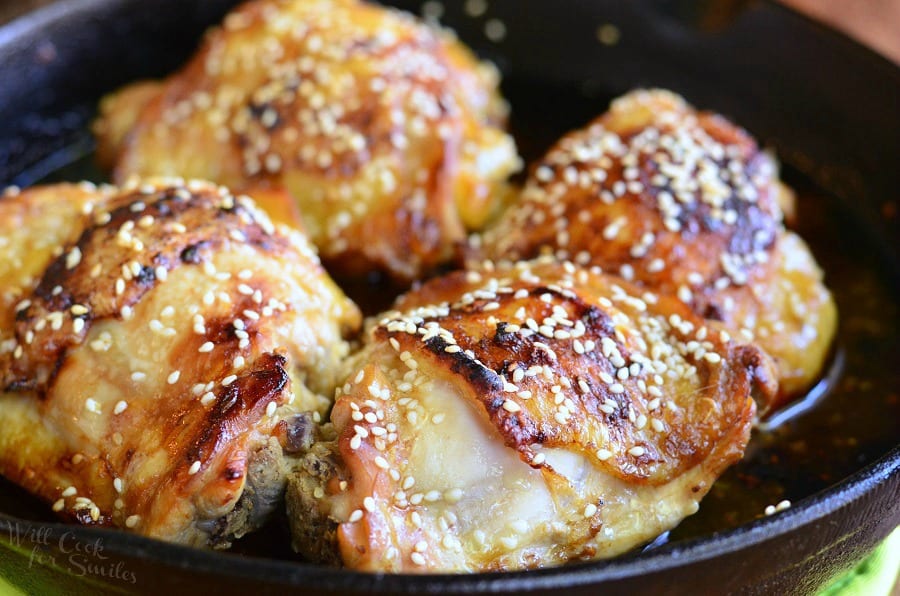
(875, 23)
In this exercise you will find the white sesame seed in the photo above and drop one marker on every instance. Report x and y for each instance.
(589, 510)
(173, 377)
(121, 406)
(132, 520)
(637, 451)
(453, 495)
(511, 406)
(73, 258)
(195, 467)
(69, 492)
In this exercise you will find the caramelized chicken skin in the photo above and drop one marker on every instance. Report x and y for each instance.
(385, 131)
(684, 203)
(159, 354)
(522, 416)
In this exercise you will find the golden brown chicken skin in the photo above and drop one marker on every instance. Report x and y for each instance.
(385, 131)
(159, 355)
(684, 203)
(521, 416)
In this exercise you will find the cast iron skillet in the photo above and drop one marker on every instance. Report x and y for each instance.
(829, 107)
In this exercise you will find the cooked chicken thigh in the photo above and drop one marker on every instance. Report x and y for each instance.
(385, 131)
(522, 416)
(158, 344)
(681, 202)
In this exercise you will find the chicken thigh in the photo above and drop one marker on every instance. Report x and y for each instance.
(159, 344)
(684, 203)
(386, 132)
(520, 416)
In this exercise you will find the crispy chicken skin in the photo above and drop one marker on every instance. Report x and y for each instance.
(519, 416)
(385, 131)
(158, 343)
(682, 202)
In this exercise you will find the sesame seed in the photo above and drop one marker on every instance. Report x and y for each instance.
(195, 467)
(229, 380)
(69, 492)
(355, 516)
(132, 521)
(589, 510)
(121, 406)
(173, 377)
(511, 406)
(73, 258)
(453, 495)
(637, 451)
(206, 347)
(417, 558)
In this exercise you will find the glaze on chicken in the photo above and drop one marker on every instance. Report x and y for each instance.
(521, 416)
(385, 132)
(159, 342)
(684, 203)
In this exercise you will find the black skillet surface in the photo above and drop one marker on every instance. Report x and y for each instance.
(829, 107)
